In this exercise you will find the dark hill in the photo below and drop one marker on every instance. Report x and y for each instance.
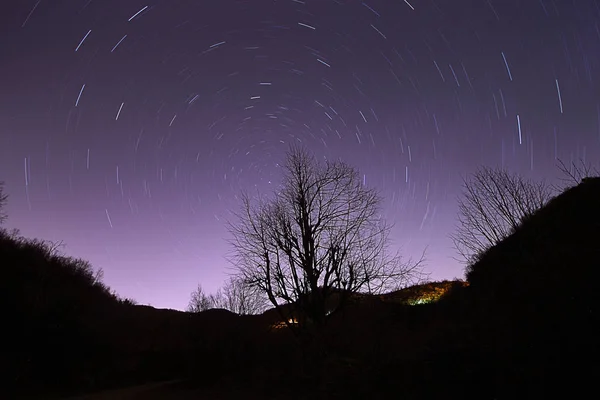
(67, 332)
(52, 302)
(534, 296)
(523, 326)
(550, 265)
(554, 247)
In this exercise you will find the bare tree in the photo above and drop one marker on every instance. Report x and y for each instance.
(494, 204)
(240, 298)
(575, 173)
(317, 241)
(235, 296)
(3, 198)
(200, 301)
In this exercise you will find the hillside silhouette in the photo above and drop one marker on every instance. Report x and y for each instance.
(523, 325)
(534, 296)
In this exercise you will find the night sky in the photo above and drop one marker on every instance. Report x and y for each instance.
(129, 128)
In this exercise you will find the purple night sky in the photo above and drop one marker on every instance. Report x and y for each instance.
(128, 128)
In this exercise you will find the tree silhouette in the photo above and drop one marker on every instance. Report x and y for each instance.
(240, 298)
(317, 241)
(3, 198)
(235, 296)
(493, 205)
(575, 173)
(200, 301)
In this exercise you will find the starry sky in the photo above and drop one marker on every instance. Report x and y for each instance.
(129, 128)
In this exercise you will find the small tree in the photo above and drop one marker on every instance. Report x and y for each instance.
(240, 298)
(575, 173)
(3, 198)
(235, 296)
(493, 204)
(320, 239)
(200, 301)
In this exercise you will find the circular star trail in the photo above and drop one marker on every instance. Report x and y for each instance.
(129, 128)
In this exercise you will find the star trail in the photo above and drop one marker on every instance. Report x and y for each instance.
(128, 129)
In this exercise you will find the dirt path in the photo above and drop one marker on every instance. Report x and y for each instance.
(149, 391)
(171, 390)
